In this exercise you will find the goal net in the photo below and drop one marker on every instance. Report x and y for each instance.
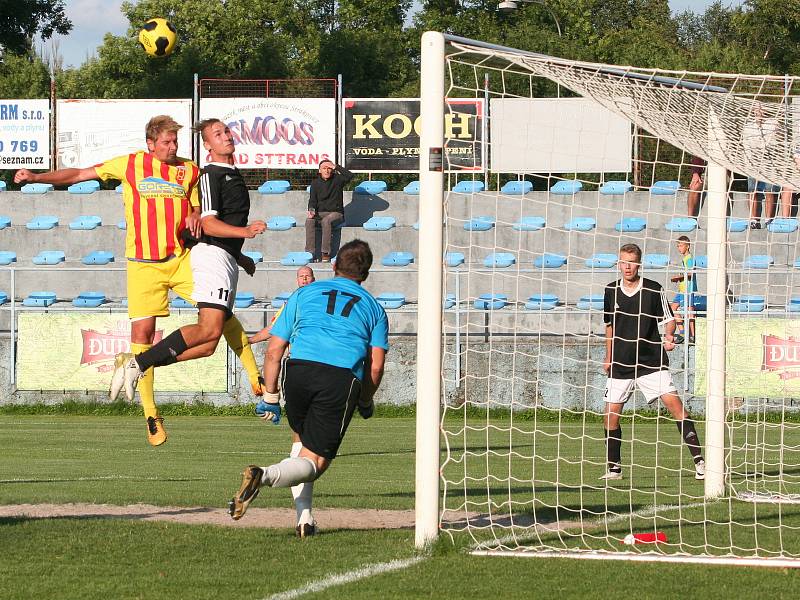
(575, 161)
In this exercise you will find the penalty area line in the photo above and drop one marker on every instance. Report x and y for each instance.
(347, 577)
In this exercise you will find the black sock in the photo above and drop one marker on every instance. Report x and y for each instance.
(164, 352)
(614, 449)
(689, 434)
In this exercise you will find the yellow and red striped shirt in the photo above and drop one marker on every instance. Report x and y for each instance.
(158, 197)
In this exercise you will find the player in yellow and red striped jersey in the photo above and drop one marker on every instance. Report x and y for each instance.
(161, 200)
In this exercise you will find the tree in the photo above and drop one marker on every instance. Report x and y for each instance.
(20, 20)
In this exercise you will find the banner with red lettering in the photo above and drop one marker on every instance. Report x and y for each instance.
(82, 349)
(763, 358)
(276, 133)
(381, 135)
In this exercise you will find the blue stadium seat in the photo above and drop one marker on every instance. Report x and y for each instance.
(2, 189)
(616, 188)
(49, 257)
(499, 260)
(5, 222)
(783, 226)
(3, 295)
(681, 224)
(412, 189)
(737, 225)
(98, 257)
(454, 259)
(281, 223)
(631, 224)
(296, 259)
(567, 187)
(380, 223)
(542, 302)
(601, 261)
(279, 186)
(84, 187)
(449, 301)
(529, 224)
(178, 302)
(280, 299)
(391, 299)
(490, 301)
(592, 302)
(469, 187)
(118, 189)
(6, 257)
(89, 299)
(758, 261)
(700, 302)
(36, 188)
(39, 299)
(580, 224)
(397, 259)
(244, 300)
(749, 304)
(86, 222)
(256, 256)
(41, 223)
(484, 223)
(792, 306)
(665, 188)
(370, 187)
(517, 187)
(415, 226)
(122, 224)
(701, 262)
(655, 261)
(550, 261)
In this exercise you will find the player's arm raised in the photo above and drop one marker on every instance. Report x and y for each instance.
(218, 228)
(60, 177)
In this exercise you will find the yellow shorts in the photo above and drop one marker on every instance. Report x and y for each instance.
(149, 284)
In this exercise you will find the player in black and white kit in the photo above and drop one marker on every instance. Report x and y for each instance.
(634, 311)
(225, 207)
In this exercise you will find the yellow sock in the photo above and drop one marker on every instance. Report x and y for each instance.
(237, 340)
(145, 386)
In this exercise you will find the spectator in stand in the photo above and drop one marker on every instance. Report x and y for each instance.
(696, 186)
(759, 136)
(325, 206)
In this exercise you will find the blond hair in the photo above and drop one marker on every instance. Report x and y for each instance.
(159, 124)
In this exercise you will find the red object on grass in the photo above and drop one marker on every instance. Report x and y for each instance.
(645, 538)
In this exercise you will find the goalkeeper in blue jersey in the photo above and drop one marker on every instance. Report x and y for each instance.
(339, 338)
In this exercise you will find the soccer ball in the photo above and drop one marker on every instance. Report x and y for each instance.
(158, 37)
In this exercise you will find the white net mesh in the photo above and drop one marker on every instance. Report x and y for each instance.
(583, 159)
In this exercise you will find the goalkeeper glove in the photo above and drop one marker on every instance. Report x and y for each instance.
(269, 409)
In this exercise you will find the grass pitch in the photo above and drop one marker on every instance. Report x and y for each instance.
(105, 459)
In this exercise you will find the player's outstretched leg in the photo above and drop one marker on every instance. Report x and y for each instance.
(288, 472)
(237, 341)
(128, 376)
(688, 432)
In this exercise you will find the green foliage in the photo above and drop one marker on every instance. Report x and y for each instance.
(20, 20)
(24, 76)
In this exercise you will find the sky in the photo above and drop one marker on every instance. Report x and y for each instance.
(92, 19)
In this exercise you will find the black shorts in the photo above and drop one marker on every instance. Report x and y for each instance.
(320, 400)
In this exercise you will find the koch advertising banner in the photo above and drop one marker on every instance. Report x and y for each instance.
(763, 358)
(24, 134)
(83, 359)
(92, 131)
(382, 135)
(276, 133)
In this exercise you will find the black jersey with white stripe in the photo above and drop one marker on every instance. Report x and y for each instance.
(223, 194)
(635, 318)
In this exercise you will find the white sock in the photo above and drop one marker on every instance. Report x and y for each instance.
(289, 472)
(302, 493)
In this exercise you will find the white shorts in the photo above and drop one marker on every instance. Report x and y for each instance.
(652, 386)
(216, 276)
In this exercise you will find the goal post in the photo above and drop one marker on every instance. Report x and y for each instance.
(518, 250)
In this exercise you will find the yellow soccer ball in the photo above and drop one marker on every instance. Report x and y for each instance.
(158, 37)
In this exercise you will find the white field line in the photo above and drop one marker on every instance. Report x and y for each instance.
(97, 478)
(347, 577)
